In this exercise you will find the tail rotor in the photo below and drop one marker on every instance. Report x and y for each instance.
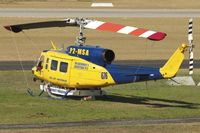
(190, 41)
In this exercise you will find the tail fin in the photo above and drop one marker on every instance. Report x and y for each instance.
(170, 69)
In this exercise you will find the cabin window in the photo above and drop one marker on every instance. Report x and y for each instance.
(63, 67)
(47, 61)
(46, 66)
(54, 65)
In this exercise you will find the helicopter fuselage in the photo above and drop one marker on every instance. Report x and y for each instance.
(68, 71)
(71, 71)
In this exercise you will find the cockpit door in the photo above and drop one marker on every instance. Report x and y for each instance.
(40, 66)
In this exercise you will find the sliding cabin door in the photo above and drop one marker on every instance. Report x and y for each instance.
(58, 71)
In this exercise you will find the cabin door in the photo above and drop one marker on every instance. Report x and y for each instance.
(59, 71)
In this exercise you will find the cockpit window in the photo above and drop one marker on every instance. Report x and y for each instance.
(40, 63)
(54, 65)
(63, 67)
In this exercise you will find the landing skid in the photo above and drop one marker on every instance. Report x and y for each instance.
(30, 92)
(60, 93)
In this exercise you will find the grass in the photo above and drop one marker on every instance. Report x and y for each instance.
(134, 4)
(126, 47)
(130, 101)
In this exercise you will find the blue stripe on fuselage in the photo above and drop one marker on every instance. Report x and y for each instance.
(127, 74)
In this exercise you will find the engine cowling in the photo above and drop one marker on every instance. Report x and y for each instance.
(94, 54)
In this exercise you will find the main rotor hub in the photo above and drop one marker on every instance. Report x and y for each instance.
(80, 40)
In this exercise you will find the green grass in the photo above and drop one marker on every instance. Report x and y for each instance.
(130, 101)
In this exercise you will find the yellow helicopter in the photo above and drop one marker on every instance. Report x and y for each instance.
(82, 70)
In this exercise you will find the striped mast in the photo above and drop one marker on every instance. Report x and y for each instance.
(190, 40)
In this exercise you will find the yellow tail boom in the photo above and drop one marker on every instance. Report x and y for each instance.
(170, 69)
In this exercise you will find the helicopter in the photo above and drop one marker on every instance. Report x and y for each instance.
(83, 70)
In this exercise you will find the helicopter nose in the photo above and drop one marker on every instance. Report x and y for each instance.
(33, 72)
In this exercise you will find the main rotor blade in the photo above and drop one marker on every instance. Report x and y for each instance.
(91, 24)
(19, 27)
(139, 32)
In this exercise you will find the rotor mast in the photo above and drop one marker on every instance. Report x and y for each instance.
(80, 40)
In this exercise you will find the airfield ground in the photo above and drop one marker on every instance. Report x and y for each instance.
(131, 101)
(134, 4)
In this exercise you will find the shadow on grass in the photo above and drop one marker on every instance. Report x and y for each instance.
(152, 102)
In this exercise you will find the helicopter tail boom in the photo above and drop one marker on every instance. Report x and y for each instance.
(128, 74)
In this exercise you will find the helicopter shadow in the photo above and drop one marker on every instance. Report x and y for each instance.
(148, 101)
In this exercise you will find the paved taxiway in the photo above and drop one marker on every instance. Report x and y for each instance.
(100, 123)
(64, 13)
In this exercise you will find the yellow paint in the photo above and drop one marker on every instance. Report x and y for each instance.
(80, 73)
(170, 69)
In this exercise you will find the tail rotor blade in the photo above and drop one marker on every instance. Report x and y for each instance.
(190, 41)
(191, 63)
(190, 28)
